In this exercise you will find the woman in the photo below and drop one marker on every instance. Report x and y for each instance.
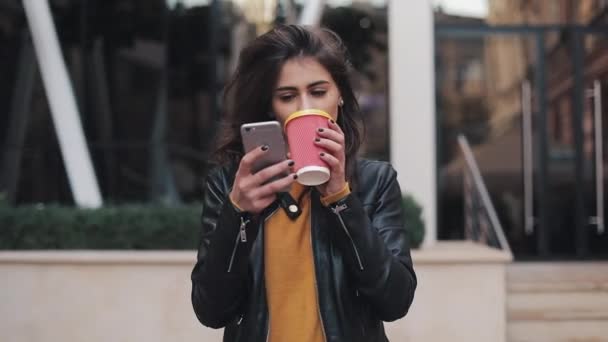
(338, 266)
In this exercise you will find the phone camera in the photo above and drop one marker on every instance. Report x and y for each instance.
(247, 129)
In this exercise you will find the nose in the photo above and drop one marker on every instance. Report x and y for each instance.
(306, 102)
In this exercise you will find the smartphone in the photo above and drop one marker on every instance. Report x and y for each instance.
(267, 133)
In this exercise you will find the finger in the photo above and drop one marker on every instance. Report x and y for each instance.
(276, 186)
(333, 162)
(267, 173)
(329, 145)
(249, 159)
(331, 134)
(334, 125)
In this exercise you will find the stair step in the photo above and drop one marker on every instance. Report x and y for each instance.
(557, 302)
(558, 306)
(576, 331)
(557, 277)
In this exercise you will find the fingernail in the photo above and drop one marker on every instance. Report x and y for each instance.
(265, 148)
(322, 154)
(317, 139)
(321, 130)
(291, 162)
(332, 121)
(295, 176)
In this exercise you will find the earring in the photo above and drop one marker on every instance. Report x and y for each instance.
(341, 102)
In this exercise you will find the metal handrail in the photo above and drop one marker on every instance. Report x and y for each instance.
(471, 166)
(526, 108)
(598, 219)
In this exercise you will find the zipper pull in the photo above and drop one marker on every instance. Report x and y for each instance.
(243, 233)
(338, 208)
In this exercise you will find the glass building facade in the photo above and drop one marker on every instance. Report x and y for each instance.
(524, 82)
(148, 78)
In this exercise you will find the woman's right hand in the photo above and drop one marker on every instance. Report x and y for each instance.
(249, 193)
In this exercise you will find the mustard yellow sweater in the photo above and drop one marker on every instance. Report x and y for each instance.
(290, 274)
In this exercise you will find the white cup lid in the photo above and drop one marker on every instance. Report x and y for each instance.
(313, 175)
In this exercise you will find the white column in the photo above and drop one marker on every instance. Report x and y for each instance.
(312, 12)
(62, 103)
(412, 104)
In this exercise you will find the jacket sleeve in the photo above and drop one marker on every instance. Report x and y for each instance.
(221, 276)
(376, 251)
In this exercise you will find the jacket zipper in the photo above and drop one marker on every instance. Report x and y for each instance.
(268, 330)
(240, 237)
(337, 209)
(314, 267)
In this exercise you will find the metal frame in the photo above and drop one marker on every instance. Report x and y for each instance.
(19, 117)
(455, 30)
(542, 152)
(578, 108)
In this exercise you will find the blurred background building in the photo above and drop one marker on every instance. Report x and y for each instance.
(148, 76)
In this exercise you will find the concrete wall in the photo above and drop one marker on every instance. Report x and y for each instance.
(145, 296)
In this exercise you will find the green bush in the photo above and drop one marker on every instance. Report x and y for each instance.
(413, 221)
(143, 227)
(124, 227)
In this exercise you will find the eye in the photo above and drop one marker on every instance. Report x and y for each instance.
(318, 92)
(286, 97)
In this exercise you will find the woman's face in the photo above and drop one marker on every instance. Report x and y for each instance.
(303, 83)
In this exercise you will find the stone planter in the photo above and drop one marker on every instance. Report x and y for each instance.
(145, 296)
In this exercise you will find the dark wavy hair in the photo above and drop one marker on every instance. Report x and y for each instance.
(248, 95)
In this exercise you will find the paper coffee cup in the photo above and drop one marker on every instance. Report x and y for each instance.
(301, 130)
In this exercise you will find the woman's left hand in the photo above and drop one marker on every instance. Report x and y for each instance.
(332, 141)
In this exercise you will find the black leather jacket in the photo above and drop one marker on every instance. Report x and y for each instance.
(362, 260)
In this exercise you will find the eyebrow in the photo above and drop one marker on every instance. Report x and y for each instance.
(313, 84)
